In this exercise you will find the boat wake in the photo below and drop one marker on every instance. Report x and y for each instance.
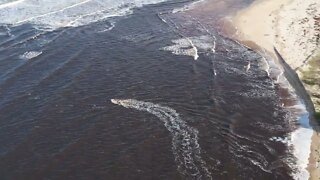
(185, 144)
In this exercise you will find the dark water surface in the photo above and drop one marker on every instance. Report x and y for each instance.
(206, 119)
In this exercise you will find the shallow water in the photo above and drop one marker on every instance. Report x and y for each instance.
(217, 116)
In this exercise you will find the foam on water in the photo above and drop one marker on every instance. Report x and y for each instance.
(183, 47)
(30, 55)
(63, 13)
(185, 144)
(280, 139)
(190, 46)
(300, 139)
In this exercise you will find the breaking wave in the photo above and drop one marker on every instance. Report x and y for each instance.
(186, 7)
(185, 144)
(65, 13)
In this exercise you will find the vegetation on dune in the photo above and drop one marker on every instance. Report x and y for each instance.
(317, 115)
(310, 76)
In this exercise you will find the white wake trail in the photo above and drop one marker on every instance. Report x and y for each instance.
(185, 144)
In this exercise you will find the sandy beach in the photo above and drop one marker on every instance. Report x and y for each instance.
(285, 24)
(292, 27)
(256, 23)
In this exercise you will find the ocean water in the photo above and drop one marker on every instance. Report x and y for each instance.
(134, 90)
(55, 14)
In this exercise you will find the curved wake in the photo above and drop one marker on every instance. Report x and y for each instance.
(185, 144)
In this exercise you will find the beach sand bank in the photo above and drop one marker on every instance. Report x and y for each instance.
(293, 28)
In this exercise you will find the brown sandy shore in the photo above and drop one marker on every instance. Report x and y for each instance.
(293, 28)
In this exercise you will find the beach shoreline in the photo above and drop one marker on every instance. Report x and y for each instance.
(264, 26)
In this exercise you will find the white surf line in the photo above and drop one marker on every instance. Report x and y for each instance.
(301, 139)
(122, 12)
(82, 16)
(10, 4)
(185, 144)
(186, 7)
(53, 12)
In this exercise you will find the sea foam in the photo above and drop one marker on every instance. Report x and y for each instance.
(191, 46)
(55, 14)
(30, 55)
